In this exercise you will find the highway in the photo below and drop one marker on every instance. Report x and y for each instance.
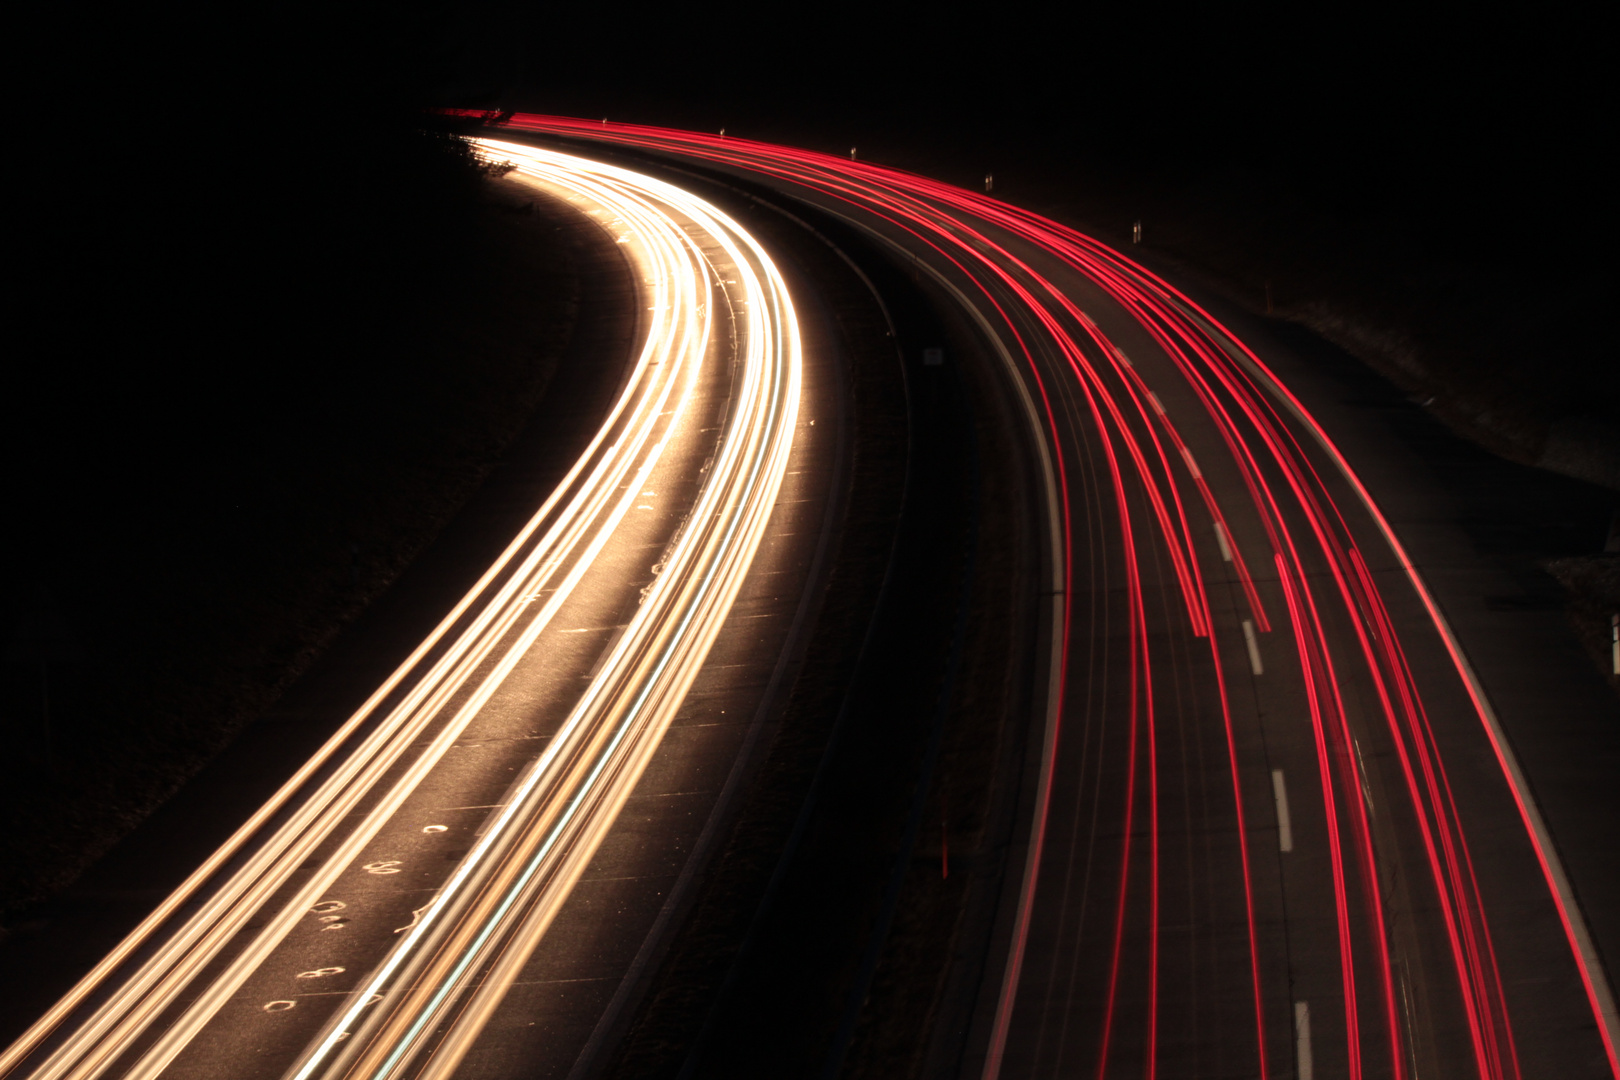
(405, 878)
(1277, 828)
(1270, 823)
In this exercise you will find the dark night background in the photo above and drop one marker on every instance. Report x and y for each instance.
(1439, 174)
(234, 236)
(181, 172)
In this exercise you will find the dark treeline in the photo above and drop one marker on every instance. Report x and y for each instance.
(1490, 130)
(1426, 185)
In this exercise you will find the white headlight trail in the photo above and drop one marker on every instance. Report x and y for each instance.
(466, 946)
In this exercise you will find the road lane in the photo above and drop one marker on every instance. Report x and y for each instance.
(701, 274)
(1234, 604)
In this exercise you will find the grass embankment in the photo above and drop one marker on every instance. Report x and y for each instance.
(1593, 583)
(264, 394)
(1483, 299)
(1489, 311)
(1500, 339)
(1498, 336)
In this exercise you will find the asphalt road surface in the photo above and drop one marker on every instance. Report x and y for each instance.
(418, 858)
(1276, 817)
(1277, 824)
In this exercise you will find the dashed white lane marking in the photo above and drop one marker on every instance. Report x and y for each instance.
(1254, 647)
(1220, 538)
(1302, 1040)
(1285, 828)
(1192, 465)
(1158, 406)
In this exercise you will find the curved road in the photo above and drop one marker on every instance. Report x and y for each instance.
(1273, 826)
(579, 642)
(1277, 828)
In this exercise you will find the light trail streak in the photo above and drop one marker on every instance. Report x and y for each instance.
(1004, 264)
(139, 1009)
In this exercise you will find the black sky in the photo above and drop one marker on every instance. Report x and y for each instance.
(1497, 119)
(1485, 133)
(1490, 119)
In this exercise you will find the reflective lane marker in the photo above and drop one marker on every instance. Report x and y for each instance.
(1220, 538)
(1254, 647)
(1361, 769)
(1285, 829)
(1302, 1039)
